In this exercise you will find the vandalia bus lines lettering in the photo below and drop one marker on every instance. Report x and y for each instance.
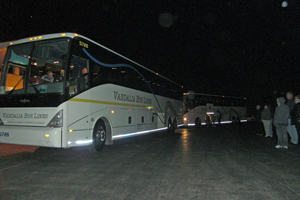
(26, 115)
(131, 98)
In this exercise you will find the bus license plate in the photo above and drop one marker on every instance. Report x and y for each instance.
(4, 134)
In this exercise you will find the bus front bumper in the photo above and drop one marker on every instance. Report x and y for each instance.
(34, 136)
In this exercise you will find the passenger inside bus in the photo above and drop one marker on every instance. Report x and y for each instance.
(48, 77)
(35, 78)
(60, 77)
(83, 81)
(84, 71)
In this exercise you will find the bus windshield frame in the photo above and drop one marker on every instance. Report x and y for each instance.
(35, 67)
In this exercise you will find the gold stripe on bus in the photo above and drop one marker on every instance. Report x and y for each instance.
(110, 103)
(113, 103)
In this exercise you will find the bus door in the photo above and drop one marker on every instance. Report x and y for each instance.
(210, 117)
(78, 75)
(78, 84)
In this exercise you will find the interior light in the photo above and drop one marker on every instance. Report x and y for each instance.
(63, 34)
(40, 37)
(70, 131)
(11, 43)
(112, 112)
(35, 38)
(47, 135)
(76, 34)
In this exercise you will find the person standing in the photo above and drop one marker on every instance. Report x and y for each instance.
(291, 128)
(258, 113)
(219, 116)
(295, 114)
(271, 122)
(281, 116)
(266, 119)
(258, 123)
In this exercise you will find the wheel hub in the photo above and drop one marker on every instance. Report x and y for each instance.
(100, 135)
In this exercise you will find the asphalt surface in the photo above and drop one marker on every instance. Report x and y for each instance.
(225, 162)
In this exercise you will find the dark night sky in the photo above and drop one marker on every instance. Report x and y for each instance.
(239, 47)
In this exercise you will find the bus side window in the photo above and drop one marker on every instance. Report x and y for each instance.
(78, 74)
(97, 75)
(130, 78)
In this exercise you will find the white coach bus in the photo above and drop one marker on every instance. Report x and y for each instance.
(206, 109)
(64, 90)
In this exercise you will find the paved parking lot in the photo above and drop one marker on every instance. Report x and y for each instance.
(226, 162)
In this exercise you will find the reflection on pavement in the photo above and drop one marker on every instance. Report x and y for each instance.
(8, 149)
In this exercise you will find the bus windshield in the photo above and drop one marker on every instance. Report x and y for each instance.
(37, 67)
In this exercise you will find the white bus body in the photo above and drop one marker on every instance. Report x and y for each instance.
(202, 109)
(116, 111)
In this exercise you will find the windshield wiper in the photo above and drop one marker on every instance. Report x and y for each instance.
(35, 89)
(10, 92)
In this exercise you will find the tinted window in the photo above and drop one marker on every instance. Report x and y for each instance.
(111, 68)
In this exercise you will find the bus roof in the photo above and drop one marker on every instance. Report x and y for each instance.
(72, 35)
(211, 95)
(43, 37)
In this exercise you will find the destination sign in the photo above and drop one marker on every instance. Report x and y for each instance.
(85, 45)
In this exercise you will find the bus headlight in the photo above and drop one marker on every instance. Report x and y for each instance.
(57, 120)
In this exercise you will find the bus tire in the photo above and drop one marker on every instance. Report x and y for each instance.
(170, 126)
(198, 123)
(99, 135)
(233, 119)
(175, 124)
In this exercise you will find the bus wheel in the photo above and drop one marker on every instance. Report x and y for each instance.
(233, 120)
(174, 124)
(198, 123)
(170, 126)
(99, 136)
